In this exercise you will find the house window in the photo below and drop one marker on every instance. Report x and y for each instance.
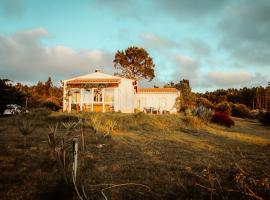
(76, 96)
(87, 96)
(97, 95)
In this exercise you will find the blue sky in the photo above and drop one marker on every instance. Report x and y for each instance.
(214, 44)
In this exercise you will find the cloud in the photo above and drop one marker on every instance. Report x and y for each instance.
(186, 68)
(181, 10)
(24, 57)
(234, 79)
(122, 8)
(11, 8)
(198, 46)
(244, 31)
(194, 10)
(154, 41)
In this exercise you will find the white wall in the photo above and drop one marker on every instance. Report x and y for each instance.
(164, 101)
(126, 96)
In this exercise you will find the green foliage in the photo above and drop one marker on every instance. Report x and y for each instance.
(223, 107)
(9, 95)
(201, 101)
(52, 103)
(203, 113)
(186, 98)
(40, 95)
(25, 127)
(240, 110)
(135, 63)
(265, 118)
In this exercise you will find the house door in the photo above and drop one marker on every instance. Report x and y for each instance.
(98, 100)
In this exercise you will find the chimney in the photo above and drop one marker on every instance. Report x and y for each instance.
(97, 70)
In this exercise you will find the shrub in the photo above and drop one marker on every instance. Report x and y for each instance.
(223, 107)
(240, 110)
(223, 119)
(201, 101)
(184, 108)
(203, 113)
(26, 128)
(265, 118)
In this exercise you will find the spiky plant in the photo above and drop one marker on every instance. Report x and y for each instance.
(25, 127)
(110, 125)
(52, 138)
(94, 122)
(203, 113)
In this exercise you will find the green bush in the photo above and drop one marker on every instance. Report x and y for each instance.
(201, 101)
(223, 107)
(265, 118)
(240, 110)
(203, 113)
(52, 104)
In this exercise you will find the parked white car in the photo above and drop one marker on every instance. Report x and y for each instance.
(13, 109)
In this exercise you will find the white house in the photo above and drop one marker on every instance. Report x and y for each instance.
(100, 92)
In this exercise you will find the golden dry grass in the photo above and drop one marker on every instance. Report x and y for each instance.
(166, 153)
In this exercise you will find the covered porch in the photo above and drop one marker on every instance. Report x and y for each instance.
(91, 95)
(92, 100)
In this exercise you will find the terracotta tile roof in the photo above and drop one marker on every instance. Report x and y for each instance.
(103, 80)
(157, 90)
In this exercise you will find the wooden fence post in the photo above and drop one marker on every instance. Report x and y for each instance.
(75, 157)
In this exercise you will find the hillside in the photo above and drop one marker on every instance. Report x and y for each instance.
(173, 157)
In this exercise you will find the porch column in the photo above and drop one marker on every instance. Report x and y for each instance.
(116, 100)
(81, 100)
(64, 97)
(69, 104)
(92, 99)
(103, 100)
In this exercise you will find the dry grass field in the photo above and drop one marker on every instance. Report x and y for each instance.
(171, 156)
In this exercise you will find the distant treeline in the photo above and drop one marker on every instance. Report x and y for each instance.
(39, 95)
(253, 98)
(50, 96)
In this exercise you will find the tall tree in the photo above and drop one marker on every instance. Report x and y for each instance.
(9, 95)
(187, 96)
(135, 63)
(47, 86)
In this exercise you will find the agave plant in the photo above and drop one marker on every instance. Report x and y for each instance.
(203, 113)
(51, 138)
(111, 125)
(26, 128)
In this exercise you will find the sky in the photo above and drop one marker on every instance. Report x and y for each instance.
(213, 43)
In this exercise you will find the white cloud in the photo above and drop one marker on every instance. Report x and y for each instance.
(151, 40)
(24, 58)
(234, 79)
(230, 78)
